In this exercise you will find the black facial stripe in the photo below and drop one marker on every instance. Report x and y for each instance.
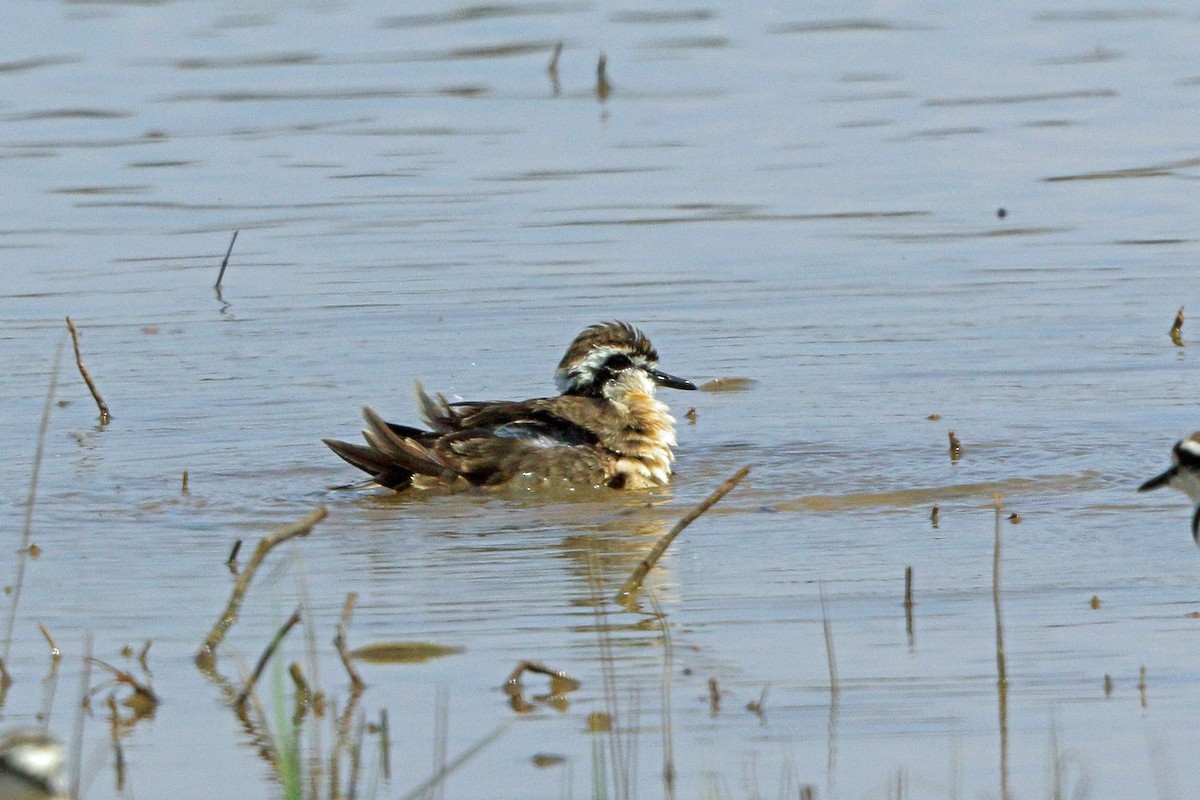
(1188, 458)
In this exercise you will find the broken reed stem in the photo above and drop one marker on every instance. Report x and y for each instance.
(827, 627)
(104, 415)
(225, 261)
(266, 656)
(30, 499)
(639, 574)
(207, 656)
(339, 641)
(231, 562)
(55, 653)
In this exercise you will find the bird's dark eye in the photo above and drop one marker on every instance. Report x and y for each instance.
(618, 362)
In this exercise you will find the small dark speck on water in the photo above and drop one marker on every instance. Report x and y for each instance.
(1001, 213)
(933, 516)
(1095, 602)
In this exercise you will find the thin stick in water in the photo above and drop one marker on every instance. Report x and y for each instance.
(104, 415)
(207, 657)
(231, 562)
(30, 499)
(266, 656)
(225, 261)
(639, 574)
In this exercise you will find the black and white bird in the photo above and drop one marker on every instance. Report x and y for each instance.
(1184, 475)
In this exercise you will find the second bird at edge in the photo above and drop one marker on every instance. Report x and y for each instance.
(606, 428)
(1184, 475)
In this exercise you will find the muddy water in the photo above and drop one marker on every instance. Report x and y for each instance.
(808, 199)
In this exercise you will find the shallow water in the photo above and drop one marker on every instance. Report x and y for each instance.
(807, 199)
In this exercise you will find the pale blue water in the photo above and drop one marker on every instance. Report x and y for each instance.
(804, 197)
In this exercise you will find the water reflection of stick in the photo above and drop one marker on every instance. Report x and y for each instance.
(908, 603)
(827, 628)
(104, 415)
(639, 574)
(207, 657)
(339, 641)
(1001, 671)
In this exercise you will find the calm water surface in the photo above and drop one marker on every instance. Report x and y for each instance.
(806, 198)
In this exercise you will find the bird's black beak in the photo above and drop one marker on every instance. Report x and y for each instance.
(1161, 480)
(670, 381)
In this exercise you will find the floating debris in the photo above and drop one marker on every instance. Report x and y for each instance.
(402, 652)
(732, 384)
(1177, 329)
(560, 684)
(599, 722)
(1001, 212)
(934, 417)
(1108, 685)
(933, 516)
(1095, 602)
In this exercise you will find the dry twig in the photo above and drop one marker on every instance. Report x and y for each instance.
(104, 415)
(206, 659)
(639, 574)
(225, 263)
